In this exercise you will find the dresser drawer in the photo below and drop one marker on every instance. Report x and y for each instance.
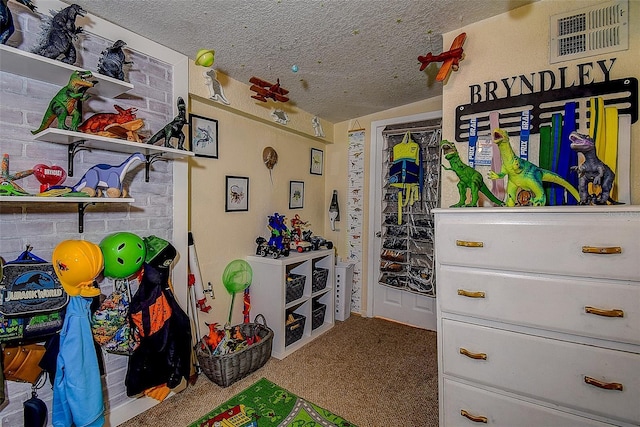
(587, 307)
(541, 242)
(552, 370)
(466, 405)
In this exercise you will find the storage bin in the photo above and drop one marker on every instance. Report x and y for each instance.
(294, 330)
(226, 369)
(295, 287)
(319, 279)
(317, 315)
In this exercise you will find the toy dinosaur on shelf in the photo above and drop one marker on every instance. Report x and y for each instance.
(173, 129)
(469, 178)
(59, 34)
(7, 28)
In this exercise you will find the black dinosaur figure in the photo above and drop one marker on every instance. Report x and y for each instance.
(112, 60)
(592, 170)
(57, 40)
(6, 19)
(173, 129)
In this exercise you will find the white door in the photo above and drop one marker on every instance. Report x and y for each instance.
(401, 267)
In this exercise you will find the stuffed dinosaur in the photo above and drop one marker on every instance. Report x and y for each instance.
(469, 178)
(592, 170)
(524, 174)
(66, 102)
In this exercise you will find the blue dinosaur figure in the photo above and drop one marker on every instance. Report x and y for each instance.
(107, 177)
(6, 19)
(113, 60)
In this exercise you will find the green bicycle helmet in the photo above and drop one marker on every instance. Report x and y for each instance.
(123, 253)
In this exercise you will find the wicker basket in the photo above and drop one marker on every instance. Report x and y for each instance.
(295, 287)
(226, 369)
(295, 329)
(317, 315)
(319, 279)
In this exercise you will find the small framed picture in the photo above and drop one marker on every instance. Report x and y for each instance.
(203, 136)
(296, 194)
(237, 195)
(317, 161)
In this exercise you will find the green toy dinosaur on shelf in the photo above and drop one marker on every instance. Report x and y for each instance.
(469, 178)
(524, 174)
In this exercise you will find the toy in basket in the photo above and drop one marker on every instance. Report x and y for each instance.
(241, 350)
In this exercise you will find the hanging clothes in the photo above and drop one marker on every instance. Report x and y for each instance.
(406, 172)
(77, 389)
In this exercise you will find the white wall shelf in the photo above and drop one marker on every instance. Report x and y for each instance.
(33, 66)
(82, 202)
(268, 295)
(76, 141)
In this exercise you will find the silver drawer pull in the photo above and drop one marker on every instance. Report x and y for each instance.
(477, 356)
(471, 294)
(469, 244)
(601, 384)
(614, 312)
(474, 418)
(602, 250)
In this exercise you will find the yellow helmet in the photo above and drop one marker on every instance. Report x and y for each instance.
(77, 263)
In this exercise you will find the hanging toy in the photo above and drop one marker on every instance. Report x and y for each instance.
(270, 158)
(205, 57)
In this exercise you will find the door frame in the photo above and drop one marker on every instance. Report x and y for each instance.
(375, 195)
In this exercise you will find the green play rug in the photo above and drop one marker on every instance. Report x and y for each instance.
(267, 405)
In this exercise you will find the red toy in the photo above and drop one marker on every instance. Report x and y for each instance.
(266, 90)
(123, 124)
(450, 59)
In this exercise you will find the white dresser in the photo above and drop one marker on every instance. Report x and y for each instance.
(538, 316)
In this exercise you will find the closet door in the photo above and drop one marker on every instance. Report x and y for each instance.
(402, 273)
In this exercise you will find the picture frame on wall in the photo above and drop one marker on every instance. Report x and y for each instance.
(296, 194)
(203, 136)
(237, 194)
(317, 161)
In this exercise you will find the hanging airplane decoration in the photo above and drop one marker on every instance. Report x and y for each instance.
(450, 59)
(265, 90)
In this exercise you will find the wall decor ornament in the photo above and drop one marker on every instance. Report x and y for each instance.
(280, 116)
(317, 161)
(296, 194)
(203, 136)
(216, 93)
(237, 194)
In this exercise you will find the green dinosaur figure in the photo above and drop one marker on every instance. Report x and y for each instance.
(469, 178)
(524, 174)
(66, 102)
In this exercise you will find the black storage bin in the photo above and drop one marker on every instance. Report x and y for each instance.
(294, 330)
(295, 287)
(319, 279)
(317, 315)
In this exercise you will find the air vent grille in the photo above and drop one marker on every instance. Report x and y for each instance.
(602, 28)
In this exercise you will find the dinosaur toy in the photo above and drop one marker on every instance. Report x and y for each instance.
(67, 102)
(108, 177)
(58, 36)
(469, 178)
(173, 129)
(98, 122)
(8, 180)
(113, 60)
(592, 170)
(6, 19)
(524, 174)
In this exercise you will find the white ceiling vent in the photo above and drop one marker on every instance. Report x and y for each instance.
(594, 30)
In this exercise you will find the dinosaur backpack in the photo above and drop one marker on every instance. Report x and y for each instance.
(406, 172)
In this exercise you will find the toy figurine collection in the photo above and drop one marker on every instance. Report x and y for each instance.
(283, 240)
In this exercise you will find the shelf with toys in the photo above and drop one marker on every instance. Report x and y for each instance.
(295, 294)
(78, 140)
(33, 66)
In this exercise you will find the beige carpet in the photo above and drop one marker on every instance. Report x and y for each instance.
(372, 372)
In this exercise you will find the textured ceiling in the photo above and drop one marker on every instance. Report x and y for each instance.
(354, 57)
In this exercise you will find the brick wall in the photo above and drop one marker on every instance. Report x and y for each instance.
(43, 225)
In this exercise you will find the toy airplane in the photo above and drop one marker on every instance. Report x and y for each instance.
(449, 59)
(266, 90)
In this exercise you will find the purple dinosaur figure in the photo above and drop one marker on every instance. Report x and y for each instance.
(107, 177)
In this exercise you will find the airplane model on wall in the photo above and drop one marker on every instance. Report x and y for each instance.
(265, 90)
(450, 59)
